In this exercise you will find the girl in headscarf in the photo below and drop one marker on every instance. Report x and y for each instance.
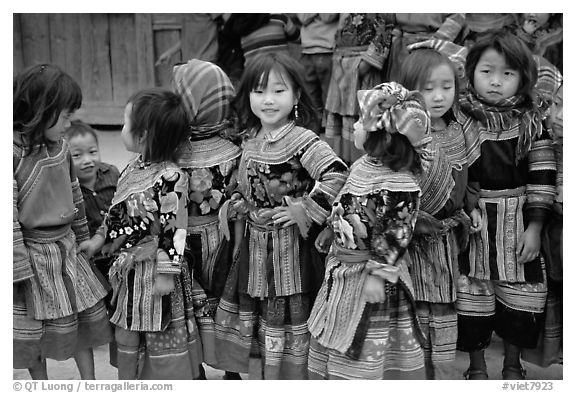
(363, 323)
(211, 161)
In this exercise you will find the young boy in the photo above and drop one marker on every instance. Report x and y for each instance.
(97, 179)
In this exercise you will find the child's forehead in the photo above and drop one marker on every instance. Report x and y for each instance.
(273, 76)
(82, 140)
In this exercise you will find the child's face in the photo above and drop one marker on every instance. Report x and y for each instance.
(85, 155)
(273, 104)
(360, 135)
(557, 114)
(56, 132)
(494, 80)
(438, 91)
(130, 142)
(533, 22)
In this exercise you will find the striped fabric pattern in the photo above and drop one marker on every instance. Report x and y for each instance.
(59, 338)
(284, 262)
(207, 92)
(440, 325)
(63, 282)
(271, 37)
(392, 343)
(22, 268)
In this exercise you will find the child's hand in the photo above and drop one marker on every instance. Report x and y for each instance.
(91, 247)
(373, 290)
(163, 284)
(528, 246)
(476, 218)
(179, 240)
(324, 240)
(363, 68)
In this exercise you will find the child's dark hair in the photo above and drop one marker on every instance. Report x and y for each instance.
(79, 128)
(394, 150)
(160, 114)
(40, 94)
(417, 68)
(517, 56)
(256, 76)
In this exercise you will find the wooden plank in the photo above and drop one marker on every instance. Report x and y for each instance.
(164, 39)
(144, 51)
(65, 43)
(166, 22)
(101, 112)
(17, 54)
(95, 57)
(35, 39)
(123, 56)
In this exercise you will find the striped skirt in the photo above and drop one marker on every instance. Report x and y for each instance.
(391, 344)
(61, 309)
(266, 337)
(58, 339)
(352, 339)
(209, 256)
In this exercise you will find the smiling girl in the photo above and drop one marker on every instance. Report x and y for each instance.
(288, 179)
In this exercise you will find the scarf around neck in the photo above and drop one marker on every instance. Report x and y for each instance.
(504, 115)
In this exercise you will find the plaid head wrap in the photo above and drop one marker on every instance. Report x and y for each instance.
(206, 92)
(392, 108)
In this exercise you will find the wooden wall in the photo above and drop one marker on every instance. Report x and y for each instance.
(110, 55)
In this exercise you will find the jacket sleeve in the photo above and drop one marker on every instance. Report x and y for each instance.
(330, 174)
(541, 187)
(453, 24)
(22, 268)
(80, 223)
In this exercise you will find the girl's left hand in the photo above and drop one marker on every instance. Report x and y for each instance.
(284, 216)
(163, 284)
(528, 245)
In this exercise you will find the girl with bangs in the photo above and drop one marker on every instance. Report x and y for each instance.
(512, 172)
(287, 180)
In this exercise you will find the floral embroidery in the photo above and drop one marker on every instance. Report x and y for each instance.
(382, 222)
(270, 183)
(149, 212)
(210, 187)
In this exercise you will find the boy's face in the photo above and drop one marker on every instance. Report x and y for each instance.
(557, 114)
(85, 155)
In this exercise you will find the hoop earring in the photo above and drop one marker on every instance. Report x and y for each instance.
(296, 111)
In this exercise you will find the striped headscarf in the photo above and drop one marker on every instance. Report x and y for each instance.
(206, 92)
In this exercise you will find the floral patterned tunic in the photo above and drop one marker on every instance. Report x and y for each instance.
(147, 209)
(373, 219)
(297, 171)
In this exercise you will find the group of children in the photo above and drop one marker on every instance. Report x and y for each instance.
(238, 238)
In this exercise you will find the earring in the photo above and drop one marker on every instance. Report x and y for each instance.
(296, 111)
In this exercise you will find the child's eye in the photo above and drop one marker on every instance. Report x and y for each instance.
(279, 90)
(75, 155)
(257, 91)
